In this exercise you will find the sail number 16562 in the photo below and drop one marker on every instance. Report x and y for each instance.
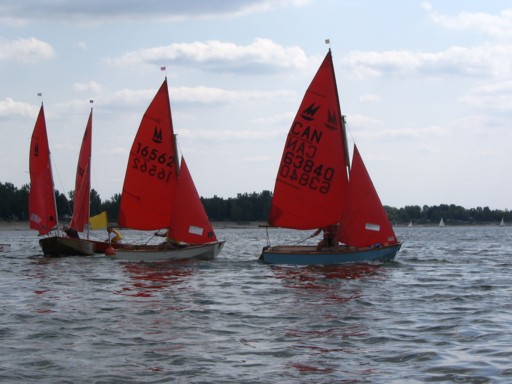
(153, 163)
(152, 154)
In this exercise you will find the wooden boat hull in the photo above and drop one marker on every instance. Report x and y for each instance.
(64, 246)
(157, 253)
(308, 255)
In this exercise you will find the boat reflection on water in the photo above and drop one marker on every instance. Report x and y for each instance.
(329, 297)
(322, 277)
(150, 278)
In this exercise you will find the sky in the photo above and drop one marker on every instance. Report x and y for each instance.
(426, 88)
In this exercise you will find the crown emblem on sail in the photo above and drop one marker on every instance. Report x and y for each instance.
(157, 135)
(332, 121)
(309, 112)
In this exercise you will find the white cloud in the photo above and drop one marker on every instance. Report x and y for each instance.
(495, 97)
(99, 11)
(11, 108)
(217, 95)
(489, 59)
(262, 54)
(27, 50)
(492, 60)
(369, 98)
(226, 134)
(137, 98)
(92, 86)
(82, 45)
(497, 26)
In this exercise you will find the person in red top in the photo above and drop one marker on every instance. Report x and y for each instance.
(330, 239)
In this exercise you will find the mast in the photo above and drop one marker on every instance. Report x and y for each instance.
(51, 178)
(89, 170)
(51, 175)
(175, 135)
(342, 120)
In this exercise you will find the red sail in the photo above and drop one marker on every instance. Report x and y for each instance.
(312, 176)
(83, 181)
(151, 173)
(42, 209)
(190, 223)
(364, 221)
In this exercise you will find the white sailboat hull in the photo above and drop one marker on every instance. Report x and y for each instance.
(155, 253)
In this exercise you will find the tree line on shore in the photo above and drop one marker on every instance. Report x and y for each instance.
(246, 207)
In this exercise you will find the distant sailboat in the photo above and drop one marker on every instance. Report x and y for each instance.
(410, 224)
(502, 223)
(5, 248)
(441, 223)
(42, 205)
(316, 187)
(159, 193)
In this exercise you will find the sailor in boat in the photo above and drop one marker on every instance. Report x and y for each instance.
(169, 242)
(330, 238)
(70, 232)
(114, 235)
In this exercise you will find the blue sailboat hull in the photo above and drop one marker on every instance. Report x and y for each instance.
(308, 255)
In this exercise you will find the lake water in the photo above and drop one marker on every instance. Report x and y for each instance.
(441, 313)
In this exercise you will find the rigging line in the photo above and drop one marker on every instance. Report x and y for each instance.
(66, 195)
(303, 240)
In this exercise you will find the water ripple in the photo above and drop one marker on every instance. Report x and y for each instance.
(440, 313)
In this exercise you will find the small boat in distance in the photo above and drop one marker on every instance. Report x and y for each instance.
(441, 222)
(159, 193)
(42, 205)
(5, 248)
(316, 187)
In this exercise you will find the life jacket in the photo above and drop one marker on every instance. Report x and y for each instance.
(118, 237)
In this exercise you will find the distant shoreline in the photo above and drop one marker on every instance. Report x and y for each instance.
(23, 225)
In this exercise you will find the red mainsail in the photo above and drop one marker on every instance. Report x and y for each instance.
(151, 173)
(42, 207)
(364, 221)
(83, 181)
(189, 222)
(312, 176)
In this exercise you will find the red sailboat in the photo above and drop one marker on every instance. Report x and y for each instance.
(42, 205)
(82, 195)
(158, 193)
(317, 188)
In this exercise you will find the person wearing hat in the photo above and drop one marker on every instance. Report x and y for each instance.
(70, 232)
